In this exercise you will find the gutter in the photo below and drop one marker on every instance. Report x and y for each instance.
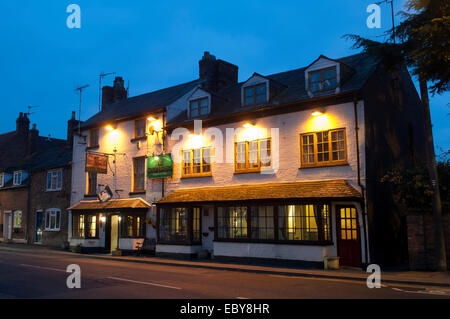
(363, 206)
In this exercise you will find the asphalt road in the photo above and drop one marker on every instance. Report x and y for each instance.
(28, 274)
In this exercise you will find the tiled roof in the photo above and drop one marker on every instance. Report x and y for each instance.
(336, 189)
(133, 203)
(291, 85)
(140, 104)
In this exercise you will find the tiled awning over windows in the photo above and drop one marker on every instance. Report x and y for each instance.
(113, 204)
(333, 189)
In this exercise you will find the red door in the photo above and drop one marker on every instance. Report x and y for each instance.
(349, 244)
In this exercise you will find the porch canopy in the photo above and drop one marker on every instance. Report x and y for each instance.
(329, 190)
(111, 205)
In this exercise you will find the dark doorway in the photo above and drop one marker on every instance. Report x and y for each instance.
(39, 228)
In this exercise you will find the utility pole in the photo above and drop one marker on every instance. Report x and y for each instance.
(100, 78)
(80, 89)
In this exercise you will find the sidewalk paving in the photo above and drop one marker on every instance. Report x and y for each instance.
(419, 278)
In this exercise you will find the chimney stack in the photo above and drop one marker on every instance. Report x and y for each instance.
(22, 123)
(110, 94)
(216, 73)
(72, 126)
(34, 136)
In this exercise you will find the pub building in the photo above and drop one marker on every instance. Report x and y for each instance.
(282, 167)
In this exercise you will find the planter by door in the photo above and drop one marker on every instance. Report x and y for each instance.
(349, 243)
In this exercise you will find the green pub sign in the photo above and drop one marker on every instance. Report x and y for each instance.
(160, 166)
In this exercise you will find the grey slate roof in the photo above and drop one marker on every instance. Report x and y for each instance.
(291, 86)
(140, 104)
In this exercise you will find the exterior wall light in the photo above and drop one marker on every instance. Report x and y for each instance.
(317, 113)
(110, 128)
(248, 125)
(103, 219)
(155, 125)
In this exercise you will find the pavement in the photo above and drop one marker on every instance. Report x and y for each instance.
(415, 278)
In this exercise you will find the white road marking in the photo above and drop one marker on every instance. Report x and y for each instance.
(426, 291)
(40, 267)
(327, 279)
(143, 283)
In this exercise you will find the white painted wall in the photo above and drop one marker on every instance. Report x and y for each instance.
(290, 127)
(178, 249)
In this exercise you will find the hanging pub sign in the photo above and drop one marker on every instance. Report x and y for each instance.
(105, 195)
(96, 163)
(160, 166)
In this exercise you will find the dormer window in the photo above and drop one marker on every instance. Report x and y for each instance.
(198, 107)
(17, 180)
(255, 94)
(322, 80)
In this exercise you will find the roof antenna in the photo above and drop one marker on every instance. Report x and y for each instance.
(80, 89)
(100, 78)
(29, 107)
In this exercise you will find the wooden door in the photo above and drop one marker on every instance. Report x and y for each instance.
(349, 243)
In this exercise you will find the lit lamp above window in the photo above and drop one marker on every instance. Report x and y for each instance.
(317, 113)
(248, 125)
(155, 125)
(111, 127)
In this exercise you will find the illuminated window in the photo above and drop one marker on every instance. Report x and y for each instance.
(140, 128)
(84, 226)
(198, 107)
(93, 137)
(17, 219)
(196, 162)
(262, 222)
(53, 220)
(132, 226)
(322, 80)
(323, 148)
(91, 189)
(250, 156)
(138, 174)
(255, 94)
(304, 222)
(196, 224)
(232, 222)
(54, 180)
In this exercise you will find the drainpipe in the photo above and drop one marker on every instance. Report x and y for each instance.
(363, 206)
(163, 149)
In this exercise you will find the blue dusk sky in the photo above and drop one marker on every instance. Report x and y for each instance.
(156, 44)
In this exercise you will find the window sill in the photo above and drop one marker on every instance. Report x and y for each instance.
(325, 165)
(248, 171)
(277, 242)
(90, 195)
(140, 138)
(53, 190)
(94, 147)
(52, 230)
(137, 193)
(196, 176)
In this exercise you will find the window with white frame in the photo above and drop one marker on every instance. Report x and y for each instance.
(17, 180)
(2, 179)
(53, 220)
(54, 180)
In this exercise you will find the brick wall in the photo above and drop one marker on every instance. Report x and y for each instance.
(421, 240)
(12, 200)
(42, 200)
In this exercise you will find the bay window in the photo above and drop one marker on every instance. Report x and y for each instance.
(285, 223)
(133, 226)
(180, 225)
(85, 226)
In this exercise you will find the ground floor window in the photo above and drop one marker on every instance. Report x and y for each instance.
(179, 225)
(53, 220)
(85, 226)
(274, 223)
(133, 226)
(17, 219)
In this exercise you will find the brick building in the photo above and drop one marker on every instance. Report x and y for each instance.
(35, 185)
